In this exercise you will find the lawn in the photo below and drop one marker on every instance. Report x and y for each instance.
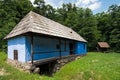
(94, 66)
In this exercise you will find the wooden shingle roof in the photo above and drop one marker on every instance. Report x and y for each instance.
(36, 23)
(103, 44)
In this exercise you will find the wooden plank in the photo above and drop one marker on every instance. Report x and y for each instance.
(44, 61)
(60, 48)
(53, 59)
(47, 52)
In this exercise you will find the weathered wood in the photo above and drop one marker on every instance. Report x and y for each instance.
(42, 25)
(44, 61)
(60, 48)
(47, 60)
(65, 45)
(47, 52)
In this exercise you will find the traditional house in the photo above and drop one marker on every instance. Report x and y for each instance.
(38, 38)
(102, 46)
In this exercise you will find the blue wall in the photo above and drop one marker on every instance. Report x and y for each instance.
(47, 45)
(80, 48)
(17, 43)
(28, 49)
(40, 44)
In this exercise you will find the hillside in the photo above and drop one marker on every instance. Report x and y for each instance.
(94, 66)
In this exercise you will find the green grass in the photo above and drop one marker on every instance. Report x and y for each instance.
(94, 66)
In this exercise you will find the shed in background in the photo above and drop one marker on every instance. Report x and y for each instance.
(102, 46)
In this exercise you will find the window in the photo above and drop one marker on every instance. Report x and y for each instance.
(15, 54)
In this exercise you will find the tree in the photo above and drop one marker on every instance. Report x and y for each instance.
(11, 12)
(89, 29)
(44, 10)
(109, 25)
(114, 12)
(40, 7)
(104, 26)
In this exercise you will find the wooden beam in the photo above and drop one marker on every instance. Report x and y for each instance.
(60, 48)
(44, 61)
(65, 46)
(32, 53)
(47, 52)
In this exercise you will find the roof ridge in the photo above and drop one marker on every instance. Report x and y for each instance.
(31, 21)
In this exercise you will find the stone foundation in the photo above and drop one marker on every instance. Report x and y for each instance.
(22, 66)
(28, 67)
(61, 62)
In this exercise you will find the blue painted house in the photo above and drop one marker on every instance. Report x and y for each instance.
(36, 38)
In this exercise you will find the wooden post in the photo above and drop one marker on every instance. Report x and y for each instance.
(50, 68)
(65, 46)
(32, 53)
(60, 48)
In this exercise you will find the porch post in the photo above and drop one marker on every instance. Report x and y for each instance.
(32, 53)
(65, 46)
(60, 48)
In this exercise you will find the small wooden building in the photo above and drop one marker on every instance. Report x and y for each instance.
(102, 46)
(38, 38)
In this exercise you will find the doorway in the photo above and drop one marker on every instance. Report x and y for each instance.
(71, 48)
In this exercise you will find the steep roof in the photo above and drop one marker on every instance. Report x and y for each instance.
(103, 44)
(36, 23)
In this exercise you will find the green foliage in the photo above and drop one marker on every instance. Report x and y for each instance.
(89, 29)
(11, 12)
(115, 30)
(109, 25)
(43, 9)
(93, 66)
